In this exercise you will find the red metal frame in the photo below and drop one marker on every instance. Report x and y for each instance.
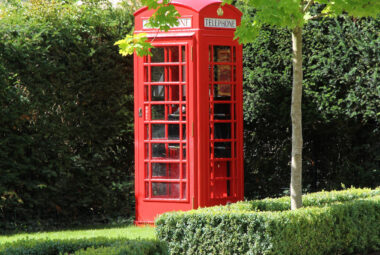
(188, 114)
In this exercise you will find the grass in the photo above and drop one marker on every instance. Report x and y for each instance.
(130, 232)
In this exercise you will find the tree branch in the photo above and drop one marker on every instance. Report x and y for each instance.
(308, 5)
(319, 15)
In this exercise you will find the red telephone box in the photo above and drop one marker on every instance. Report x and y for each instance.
(189, 112)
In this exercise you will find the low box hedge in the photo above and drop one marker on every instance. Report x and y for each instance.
(100, 245)
(135, 247)
(339, 222)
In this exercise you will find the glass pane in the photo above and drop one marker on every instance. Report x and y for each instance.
(159, 169)
(234, 73)
(174, 73)
(173, 54)
(184, 190)
(146, 93)
(173, 112)
(146, 79)
(173, 131)
(159, 189)
(184, 152)
(183, 171)
(234, 54)
(158, 55)
(167, 190)
(183, 73)
(146, 189)
(158, 131)
(222, 92)
(183, 54)
(146, 150)
(173, 93)
(146, 133)
(222, 73)
(222, 150)
(158, 112)
(183, 92)
(210, 53)
(173, 171)
(173, 190)
(222, 130)
(165, 170)
(158, 74)
(183, 132)
(158, 150)
(228, 165)
(222, 54)
(222, 111)
(146, 170)
(174, 150)
(158, 93)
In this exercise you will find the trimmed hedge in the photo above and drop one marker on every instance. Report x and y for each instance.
(99, 246)
(141, 247)
(333, 223)
(66, 115)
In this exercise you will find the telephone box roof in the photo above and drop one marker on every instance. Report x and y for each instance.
(196, 5)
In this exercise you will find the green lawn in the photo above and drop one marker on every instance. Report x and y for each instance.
(130, 232)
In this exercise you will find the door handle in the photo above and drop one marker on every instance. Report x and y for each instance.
(140, 112)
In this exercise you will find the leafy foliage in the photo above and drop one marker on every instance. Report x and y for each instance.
(295, 13)
(66, 114)
(132, 43)
(329, 228)
(340, 107)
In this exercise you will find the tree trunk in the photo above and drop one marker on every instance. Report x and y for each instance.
(296, 115)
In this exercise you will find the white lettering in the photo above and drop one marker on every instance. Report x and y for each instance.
(220, 23)
(182, 23)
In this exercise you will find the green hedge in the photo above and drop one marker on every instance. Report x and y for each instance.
(141, 247)
(66, 114)
(336, 223)
(98, 246)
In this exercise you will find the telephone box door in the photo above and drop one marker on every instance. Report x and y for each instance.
(163, 129)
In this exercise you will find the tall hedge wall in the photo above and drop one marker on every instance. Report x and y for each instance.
(66, 138)
(341, 107)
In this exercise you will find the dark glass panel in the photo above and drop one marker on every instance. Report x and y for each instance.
(173, 131)
(222, 111)
(222, 92)
(158, 112)
(222, 54)
(158, 74)
(158, 55)
(173, 54)
(158, 93)
(158, 150)
(222, 130)
(158, 131)
(222, 73)
(222, 150)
